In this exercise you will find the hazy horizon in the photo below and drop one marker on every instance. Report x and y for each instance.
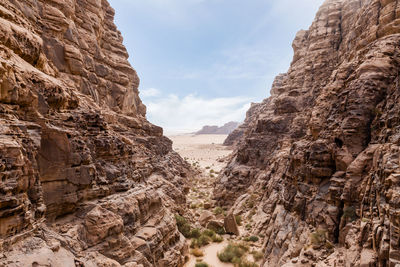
(202, 62)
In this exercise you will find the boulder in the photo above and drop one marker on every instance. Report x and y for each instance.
(205, 217)
(230, 224)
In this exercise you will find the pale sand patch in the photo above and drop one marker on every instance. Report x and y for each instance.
(210, 256)
(206, 149)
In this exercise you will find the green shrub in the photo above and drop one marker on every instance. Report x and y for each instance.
(318, 238)
(252, 238)
(208, 232)
(232, 253)
(197, 252)
(217, 239)
(201, 264)
(238, 219)
(195, 233)
(257, 255)
(245, 263)
(202, 241)
(218, 211)
(183, 226)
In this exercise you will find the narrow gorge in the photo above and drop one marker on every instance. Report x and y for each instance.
(87, 180)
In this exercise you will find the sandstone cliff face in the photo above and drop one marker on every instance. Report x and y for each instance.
(85, 179)
(320, 158)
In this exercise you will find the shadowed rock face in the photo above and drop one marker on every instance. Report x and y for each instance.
(320, 158)
(85, 178)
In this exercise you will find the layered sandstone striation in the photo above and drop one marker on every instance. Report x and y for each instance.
(86, 180)
(317, 165)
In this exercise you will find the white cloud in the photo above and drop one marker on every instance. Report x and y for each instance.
(188, 114)
(151, 92)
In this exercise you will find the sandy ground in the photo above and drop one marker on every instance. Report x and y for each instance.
(210, 256)
(205, 150)
(207, 154)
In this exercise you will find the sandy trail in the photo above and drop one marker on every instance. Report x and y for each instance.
(210, 255)
(209, 156)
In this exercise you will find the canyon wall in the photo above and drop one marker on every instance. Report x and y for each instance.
(86, 180)
(316, 171)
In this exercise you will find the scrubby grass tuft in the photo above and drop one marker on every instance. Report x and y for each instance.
(238, 219)
(257, 255)
(233, 253)
(183, 226)
(252, 238)
(197, 252)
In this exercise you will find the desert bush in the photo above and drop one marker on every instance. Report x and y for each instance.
(252, 238)
(238, 219)
(208, 232)
(218, 211)
(246, 263)
(195, 233)
(318, 238)
(201, 241)
(257, 255)
(201, 264)
(197, 252)
(183, 226)
(217, 239)
(232, 253)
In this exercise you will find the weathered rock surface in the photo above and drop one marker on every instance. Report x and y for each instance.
(317, 166)
(86, 180)
(230, 225)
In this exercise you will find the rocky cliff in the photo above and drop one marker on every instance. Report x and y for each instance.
(316, 172)
(86, 180)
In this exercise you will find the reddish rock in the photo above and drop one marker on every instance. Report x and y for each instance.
(323, 151)
(79, 162)
(230, 225)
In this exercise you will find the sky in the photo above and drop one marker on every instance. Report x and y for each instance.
(202, 62)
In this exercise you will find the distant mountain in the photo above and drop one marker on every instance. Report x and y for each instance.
(226, 129)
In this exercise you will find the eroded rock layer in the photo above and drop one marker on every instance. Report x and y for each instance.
(86, 180)
(317, 167)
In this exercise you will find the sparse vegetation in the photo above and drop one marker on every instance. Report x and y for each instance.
(248, 227)
(257, 255)
(218, 211)
(252, 238)
(233, 253)
(201, 264)
(197, 252)
(183, 226)
(217, 229)
(318, 238)
(195, 233)
(205, 238)
(238, 219)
